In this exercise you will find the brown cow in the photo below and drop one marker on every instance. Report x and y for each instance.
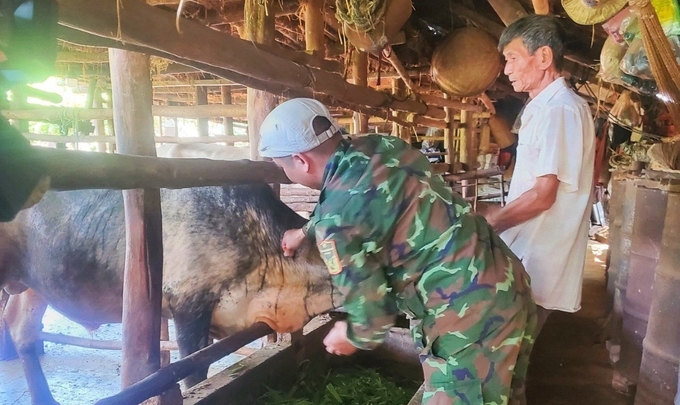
(223, 267)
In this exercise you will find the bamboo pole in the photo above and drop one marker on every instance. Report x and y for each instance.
(360, 78)
(315, 27)
(143, 277)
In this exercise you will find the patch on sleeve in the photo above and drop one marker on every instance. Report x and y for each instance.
(329, 254)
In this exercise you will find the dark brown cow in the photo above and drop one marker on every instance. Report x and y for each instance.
(223, 267)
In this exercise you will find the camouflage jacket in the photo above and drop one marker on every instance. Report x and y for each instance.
(395, 237)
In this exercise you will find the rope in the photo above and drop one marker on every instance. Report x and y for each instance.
(362, 15)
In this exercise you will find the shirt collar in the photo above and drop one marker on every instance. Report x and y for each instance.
(548, 93)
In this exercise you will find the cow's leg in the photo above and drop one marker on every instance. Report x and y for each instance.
(7, 349)
(192, 335)
(24, 313)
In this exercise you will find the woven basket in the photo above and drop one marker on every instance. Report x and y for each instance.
(466, 63)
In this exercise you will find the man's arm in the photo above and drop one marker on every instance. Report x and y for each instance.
(351, 258)
(530, 204)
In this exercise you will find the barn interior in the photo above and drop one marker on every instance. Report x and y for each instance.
(196, 79)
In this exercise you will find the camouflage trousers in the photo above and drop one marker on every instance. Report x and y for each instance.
(491, 371)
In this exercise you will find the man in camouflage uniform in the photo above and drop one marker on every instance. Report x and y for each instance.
(396, 238)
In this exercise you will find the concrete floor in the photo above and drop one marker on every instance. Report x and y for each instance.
(570, 364)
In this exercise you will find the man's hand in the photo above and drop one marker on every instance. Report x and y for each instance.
(291, 241)
(336, 341)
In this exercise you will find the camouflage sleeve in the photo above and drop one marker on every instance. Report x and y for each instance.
(360, 279)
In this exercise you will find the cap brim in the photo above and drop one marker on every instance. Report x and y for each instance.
(584, 15)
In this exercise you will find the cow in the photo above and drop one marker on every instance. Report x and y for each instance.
(223, 267)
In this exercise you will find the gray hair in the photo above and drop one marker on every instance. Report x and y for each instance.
(537, 31)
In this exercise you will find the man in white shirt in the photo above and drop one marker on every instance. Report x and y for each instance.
(546, 220)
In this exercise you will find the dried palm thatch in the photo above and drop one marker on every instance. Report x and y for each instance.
(664, 68)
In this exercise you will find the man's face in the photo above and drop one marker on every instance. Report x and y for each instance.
(522, 68)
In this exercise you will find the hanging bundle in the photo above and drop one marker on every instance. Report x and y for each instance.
(665, 71)
(370, 25)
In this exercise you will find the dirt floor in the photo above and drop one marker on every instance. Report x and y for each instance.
(569, 365)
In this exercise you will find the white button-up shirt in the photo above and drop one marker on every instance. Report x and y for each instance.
(556, 136)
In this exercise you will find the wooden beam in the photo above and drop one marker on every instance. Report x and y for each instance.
(143, 279)
(168, 376)
(508, 10)
(59, 113)
(213, 48)
(74, 170)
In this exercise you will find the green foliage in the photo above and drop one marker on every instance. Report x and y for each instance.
(351, 385)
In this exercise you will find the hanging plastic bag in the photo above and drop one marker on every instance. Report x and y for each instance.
(610, 59)
(616, 25)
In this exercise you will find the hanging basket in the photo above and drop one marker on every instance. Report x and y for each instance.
(466, 63)
(374, 32)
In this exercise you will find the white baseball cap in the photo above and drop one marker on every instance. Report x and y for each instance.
(288, 128)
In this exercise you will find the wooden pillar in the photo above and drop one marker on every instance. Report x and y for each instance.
(142, 294)
(259, 26)
(315, 27)
(228, 122)
(202, 99)
(360, 78)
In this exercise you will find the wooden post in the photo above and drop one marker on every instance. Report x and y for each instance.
(202, 99)
(315, 27)
(228, 122)
(259, 26)
(142, 295)
(360, 78)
